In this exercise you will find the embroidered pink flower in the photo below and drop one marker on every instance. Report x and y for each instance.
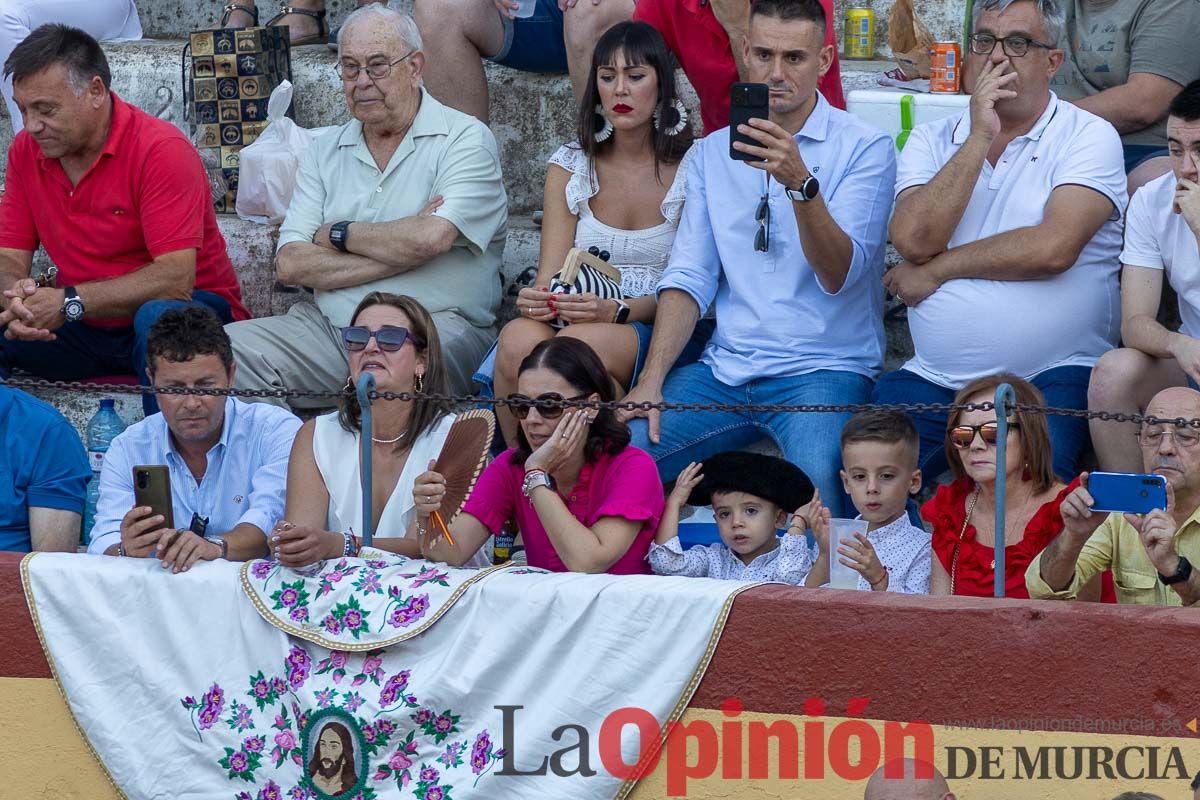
(238, 762)
(286, 740)
(480, 752)
(399, 761)
(443, 724)
(270, 792)
(353, 701)
(299, 614)
(261, 688)
(369, 734)
(254, 744)
(423, 717)
(324, 698)
(214, 703)
(332, 624)
(386, 727)
(279, 686)
(394, 686)
(288, 597)
(429, 775)
(435, 793)
(353, 619)
(261, 569)
(300, 665)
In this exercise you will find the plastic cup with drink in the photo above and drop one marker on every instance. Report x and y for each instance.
(842, 531)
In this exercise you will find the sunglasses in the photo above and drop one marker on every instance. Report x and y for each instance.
(390, 338)
(961, 436)
(547, 404)
(762, 239)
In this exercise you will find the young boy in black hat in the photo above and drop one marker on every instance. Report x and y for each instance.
(751, 495)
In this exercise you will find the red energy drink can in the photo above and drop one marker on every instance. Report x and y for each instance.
(945, 67)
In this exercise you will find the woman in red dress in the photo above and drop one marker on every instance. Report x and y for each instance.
(963, 513)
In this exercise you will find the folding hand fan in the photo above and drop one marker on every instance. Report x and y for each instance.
(460, 462)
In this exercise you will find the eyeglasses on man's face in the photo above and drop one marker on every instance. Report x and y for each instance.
(1152, 436)
(982, 44)
(376, 70)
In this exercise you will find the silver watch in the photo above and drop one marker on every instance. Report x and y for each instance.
(535, 478)
(809, 188)
(221, 542)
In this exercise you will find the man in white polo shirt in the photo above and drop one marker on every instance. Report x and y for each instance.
(1009, 218)
(1162, 234)
(406, 198)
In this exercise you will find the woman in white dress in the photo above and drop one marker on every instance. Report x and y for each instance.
(393, 338)
(619, 188)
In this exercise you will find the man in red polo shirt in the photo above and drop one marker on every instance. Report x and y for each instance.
(121, 202)
(705, 35)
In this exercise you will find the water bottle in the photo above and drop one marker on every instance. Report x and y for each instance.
(101, 430)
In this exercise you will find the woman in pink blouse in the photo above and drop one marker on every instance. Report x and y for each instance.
(584, 500)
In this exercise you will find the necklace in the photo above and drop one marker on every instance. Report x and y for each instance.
(389, 441)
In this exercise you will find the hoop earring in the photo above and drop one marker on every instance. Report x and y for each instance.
(419, 384)
(602, 131)
(678, 111)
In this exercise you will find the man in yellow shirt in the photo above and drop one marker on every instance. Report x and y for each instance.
(1150, 555)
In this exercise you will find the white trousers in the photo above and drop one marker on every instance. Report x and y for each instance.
(105, 20)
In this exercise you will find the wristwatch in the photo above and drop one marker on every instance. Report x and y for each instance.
(339, 232)
(622, 312)
(1182, 573)
(221, 542)
(72, 307)
(809, 189)
(535, 478)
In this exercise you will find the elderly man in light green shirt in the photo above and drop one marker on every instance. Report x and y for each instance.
(406, 198)
(1150, 555)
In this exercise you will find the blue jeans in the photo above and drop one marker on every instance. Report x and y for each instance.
(535, 44)
(1063, 387)
(810, 441)
(82, 351)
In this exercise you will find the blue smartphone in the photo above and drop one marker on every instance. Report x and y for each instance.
(1127, 493)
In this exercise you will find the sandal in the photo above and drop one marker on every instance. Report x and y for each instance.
(228, 10)
(322, 28)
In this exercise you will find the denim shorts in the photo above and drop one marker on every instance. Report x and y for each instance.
(534, 44)
(1135, 154)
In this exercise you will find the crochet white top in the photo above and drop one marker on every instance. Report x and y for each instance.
(641, 255)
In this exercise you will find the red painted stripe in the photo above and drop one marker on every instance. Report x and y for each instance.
(946, 660)
(21, 656)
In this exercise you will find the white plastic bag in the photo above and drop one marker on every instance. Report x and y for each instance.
(268, 164)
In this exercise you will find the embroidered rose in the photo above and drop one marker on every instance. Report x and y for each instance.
(399, 761)
(286, 740)
(338, 658)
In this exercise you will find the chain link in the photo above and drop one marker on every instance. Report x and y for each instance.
(615, 405)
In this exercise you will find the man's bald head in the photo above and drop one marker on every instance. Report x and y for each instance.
(905, 785)
(1179, 465)
(1177, 401)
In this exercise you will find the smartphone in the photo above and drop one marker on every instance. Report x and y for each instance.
(152, 487)
(1125, 492)
(747, 101)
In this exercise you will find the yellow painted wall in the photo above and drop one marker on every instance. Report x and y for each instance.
(44, 755)
(833, 788)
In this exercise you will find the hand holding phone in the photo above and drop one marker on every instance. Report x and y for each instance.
(152, 487)
(747, 101)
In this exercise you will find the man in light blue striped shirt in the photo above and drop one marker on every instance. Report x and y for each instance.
(791, 250)
(227, 459)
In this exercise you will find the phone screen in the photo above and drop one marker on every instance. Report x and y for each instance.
(1127, 492)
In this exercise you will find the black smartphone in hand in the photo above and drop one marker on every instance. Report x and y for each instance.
(747, 101)
(152, 487)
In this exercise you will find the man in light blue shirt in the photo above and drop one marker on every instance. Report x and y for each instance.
(791, 250)
(227, 459)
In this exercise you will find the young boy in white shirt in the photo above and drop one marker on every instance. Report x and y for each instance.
(751, 495)
(879, 471)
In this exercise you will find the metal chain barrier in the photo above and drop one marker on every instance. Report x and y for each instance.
(616, 405)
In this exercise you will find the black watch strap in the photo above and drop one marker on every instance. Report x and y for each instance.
(1182, 573)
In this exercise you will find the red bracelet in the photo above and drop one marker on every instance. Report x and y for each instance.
(873, 584)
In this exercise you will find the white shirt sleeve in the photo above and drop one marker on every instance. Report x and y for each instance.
(1142, 248)
(695, 265)
(116, 497)
(918, 161)
(795, 559)
(671, 559)
(1095, 160)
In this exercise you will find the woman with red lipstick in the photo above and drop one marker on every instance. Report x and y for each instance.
(619, 188)
(963, 513)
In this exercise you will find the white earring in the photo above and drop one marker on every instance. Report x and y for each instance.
(681, 123)
(603, 132)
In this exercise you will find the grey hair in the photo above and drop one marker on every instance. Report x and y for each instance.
(381, 13)
(1053, 17)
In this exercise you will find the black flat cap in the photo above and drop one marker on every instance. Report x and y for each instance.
(768, 477)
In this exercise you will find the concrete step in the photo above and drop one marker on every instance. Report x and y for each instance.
(531, 114)
(171, 19)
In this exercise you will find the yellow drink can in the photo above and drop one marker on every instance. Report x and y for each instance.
(858, 34)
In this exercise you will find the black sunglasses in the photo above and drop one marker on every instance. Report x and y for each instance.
(762, 239)
(961, 436)
(547, 405)
(390, 338)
